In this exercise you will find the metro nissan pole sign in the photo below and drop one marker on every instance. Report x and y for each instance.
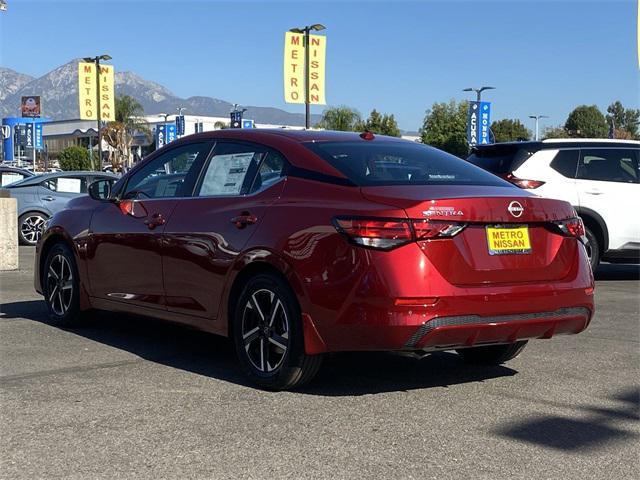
(294, 68)
(88, 94)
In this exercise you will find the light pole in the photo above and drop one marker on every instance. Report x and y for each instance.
(537, 119)
(96, 60)
(305, 30)
(478, 91)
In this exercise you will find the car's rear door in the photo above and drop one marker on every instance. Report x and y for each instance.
(206, 232)
(54, 193)
(124, 253)
(607, 183)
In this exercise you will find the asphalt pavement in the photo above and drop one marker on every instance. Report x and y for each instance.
(126, 397)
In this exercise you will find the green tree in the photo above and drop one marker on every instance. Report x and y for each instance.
(74, 158)
(119, 134)
(445, 127)
(509, 130)
(587, 121)
(342, 118)
(380, 124)
(555, 132)
(626, 121)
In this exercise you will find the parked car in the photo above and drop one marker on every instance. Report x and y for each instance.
(10, 174)
(40, 196)
(298, 243)
(600, 178)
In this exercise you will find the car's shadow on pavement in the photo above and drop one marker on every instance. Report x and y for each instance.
(342, 374)
(613, 271)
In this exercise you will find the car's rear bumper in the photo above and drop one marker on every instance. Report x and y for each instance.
(472, 330)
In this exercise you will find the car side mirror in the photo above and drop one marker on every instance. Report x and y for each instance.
(100, 189)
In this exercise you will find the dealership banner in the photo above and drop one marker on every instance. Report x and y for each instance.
(87, 92)
(479, 123)
(294, 60)
(30, 106)
(165, 133)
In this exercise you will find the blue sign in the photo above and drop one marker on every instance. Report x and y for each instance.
(180, 124)
(479, 123)
(165, 133)
(485, 123)
(38, 143)
(171, 132)
(247, 123)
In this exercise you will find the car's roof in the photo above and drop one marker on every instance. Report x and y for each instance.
(560, 143)
(47, 176)
(259, 134)
(10, 168)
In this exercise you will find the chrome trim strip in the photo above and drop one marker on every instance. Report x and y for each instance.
(430, 325)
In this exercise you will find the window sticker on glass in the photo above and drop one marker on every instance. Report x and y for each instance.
(225, 174)
(9, 177)
(69, 185)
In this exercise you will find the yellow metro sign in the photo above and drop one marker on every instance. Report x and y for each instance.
(294, 68)
(88, 96)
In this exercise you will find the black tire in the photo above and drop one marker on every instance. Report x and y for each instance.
(61, 287)
(30, 227)
(492, 354)
(593, 248)
(266, 318)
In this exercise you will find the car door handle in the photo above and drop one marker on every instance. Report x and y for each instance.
(594, 192)
(244, 219)
(156, 220)
(49, 198)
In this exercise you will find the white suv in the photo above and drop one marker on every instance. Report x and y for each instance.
(599, 177)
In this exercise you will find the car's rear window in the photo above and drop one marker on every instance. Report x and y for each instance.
(399, 163)
(499, 159)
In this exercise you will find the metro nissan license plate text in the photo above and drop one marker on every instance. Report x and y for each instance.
(505, 240)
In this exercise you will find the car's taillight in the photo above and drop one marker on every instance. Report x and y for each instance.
(385, 234)
(425, 229)
(571, 227)
(522, 182)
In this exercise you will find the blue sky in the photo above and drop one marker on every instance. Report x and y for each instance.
(544, 57)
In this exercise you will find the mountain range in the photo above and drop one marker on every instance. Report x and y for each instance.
(59, 92)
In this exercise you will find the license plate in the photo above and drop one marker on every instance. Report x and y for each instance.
(508, 240)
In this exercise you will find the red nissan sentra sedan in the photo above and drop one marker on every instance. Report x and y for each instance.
(298, 243)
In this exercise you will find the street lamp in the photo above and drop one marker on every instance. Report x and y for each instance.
(165, 115)
(305, 30)
(478, 91)
(3, 6)
(96, 60)
(537, 118)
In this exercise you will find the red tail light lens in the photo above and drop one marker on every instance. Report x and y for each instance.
(385, 234)
(431, 229)
(376, 233)
(572, 227)
(523, 183)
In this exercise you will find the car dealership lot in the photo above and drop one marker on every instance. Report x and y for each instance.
(125, 397)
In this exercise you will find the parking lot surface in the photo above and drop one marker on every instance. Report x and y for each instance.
(127, 397)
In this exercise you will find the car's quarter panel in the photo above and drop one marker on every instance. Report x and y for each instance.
(124, 254)
(202, 241)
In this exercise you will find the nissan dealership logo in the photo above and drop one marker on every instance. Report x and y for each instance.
(515, 209)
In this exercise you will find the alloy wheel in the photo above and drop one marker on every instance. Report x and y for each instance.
(265, 330)
(59, 285)
(31, 228)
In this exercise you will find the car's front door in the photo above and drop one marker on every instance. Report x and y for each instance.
(607, 183)
(206, 233)
(125, 241)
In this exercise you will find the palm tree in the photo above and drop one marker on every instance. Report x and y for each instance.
(119, 134)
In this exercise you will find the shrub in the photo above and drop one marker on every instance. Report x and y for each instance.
(74, 158)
